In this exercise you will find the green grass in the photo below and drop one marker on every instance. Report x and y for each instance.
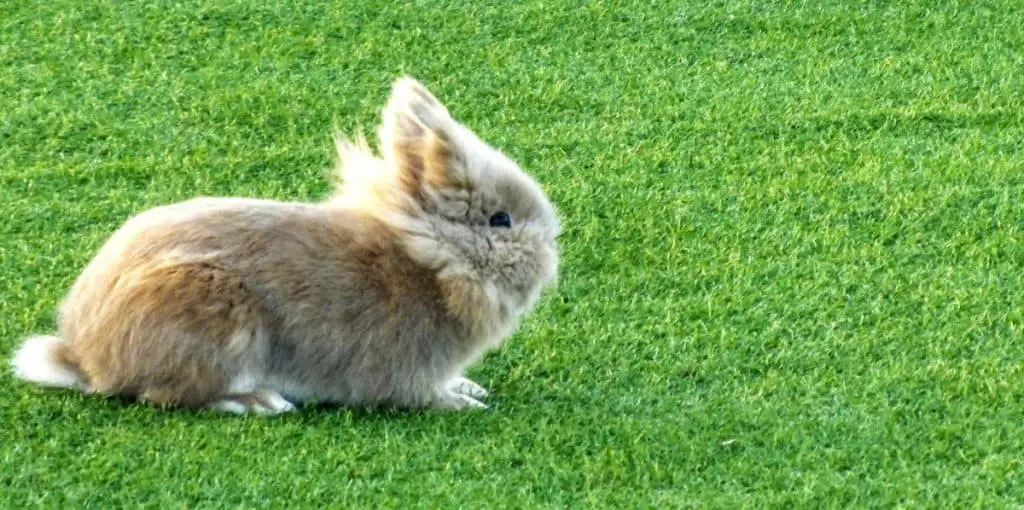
(791, 272)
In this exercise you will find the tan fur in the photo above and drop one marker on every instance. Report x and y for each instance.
(382, 294)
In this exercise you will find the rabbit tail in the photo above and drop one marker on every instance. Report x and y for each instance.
(47, 361)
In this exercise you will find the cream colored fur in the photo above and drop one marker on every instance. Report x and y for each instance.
(381, 295)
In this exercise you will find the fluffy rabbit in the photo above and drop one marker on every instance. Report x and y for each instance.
(383, 294)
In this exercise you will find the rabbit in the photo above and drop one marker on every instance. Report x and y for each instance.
(419, 262)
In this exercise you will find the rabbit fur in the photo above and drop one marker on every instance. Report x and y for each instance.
(381, 294)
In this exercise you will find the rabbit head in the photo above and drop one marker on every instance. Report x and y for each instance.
(460, 206)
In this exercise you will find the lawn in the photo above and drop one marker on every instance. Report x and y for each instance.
(791, 269)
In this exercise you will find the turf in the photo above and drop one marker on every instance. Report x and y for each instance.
(791, 268)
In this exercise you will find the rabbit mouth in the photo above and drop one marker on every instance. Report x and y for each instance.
(523, 295)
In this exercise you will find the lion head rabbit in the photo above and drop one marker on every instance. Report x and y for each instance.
(423, 259)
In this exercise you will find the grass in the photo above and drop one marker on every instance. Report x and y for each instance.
(791, 272)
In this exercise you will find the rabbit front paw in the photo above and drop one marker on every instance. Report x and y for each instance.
(449, 400)
(464, 386)
(265, 402)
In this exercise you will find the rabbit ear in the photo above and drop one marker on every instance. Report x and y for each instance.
(417, 136)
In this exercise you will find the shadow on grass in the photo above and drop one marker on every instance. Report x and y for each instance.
(121, 407)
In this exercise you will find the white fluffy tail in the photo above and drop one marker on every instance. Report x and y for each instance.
(38, 360)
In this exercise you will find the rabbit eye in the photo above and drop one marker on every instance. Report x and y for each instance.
(501, 219)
